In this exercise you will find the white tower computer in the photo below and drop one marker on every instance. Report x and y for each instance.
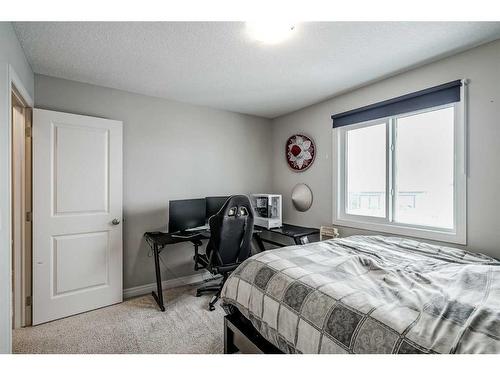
(267, 209)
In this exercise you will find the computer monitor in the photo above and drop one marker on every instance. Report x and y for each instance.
(185, 214)
(214, 204)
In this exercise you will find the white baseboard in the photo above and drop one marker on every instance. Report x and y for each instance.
(167, 284)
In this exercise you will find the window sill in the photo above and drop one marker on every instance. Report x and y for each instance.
(402, 230)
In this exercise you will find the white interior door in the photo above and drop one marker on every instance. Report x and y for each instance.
(77, 214)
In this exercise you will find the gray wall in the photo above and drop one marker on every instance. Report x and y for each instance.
(171, 151)
(200, 151)
(482, 66)
(11, 55)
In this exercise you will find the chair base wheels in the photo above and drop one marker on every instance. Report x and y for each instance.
(217, 288)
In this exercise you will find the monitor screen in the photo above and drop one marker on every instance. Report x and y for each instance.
(214, 204)
(185, 214)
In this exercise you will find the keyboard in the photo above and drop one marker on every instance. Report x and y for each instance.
(197, 229)
(185, 234)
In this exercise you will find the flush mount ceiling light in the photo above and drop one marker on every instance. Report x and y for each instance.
(270, 32)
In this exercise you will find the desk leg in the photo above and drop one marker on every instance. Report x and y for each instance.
(196, 257)
(260, 244)
(159, 295)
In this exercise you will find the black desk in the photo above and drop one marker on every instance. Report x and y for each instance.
(297, 233)
(159, 240)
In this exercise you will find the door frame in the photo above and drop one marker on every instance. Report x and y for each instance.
(22, 269)
(13, 80)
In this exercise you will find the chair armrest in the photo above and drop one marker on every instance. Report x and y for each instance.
(226, 268)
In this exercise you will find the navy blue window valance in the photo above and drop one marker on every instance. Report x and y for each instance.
(431, 97)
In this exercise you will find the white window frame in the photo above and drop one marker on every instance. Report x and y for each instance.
(457, 234)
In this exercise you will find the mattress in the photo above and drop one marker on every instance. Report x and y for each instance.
(370, 294)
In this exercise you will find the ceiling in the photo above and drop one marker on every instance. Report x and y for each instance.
(217, 64)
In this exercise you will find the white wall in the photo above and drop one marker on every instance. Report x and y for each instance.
(171, 151)
(482, 66)
(12, 59)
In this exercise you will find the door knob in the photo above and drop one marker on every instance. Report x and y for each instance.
(115, 222)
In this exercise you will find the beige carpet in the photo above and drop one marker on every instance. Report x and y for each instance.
(134, 326)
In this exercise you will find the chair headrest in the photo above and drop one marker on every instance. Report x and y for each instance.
(236, 206)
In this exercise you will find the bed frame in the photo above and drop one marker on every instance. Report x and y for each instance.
(241, 337)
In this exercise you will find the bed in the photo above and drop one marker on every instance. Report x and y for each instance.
(365, 294)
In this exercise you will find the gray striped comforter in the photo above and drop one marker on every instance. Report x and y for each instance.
(370, 294)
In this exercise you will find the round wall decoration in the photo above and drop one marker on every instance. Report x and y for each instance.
(300, 152)
(302, 197)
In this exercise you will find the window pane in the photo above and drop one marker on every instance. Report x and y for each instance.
(366, 175)
(424, 169)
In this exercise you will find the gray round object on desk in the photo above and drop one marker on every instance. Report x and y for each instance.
(302, 197)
